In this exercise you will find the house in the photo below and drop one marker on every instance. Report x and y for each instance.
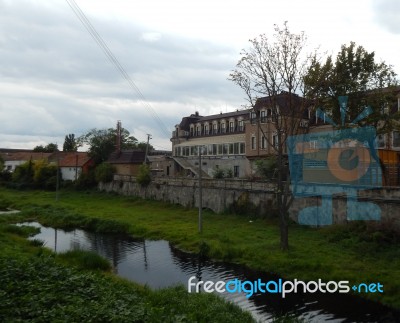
(127, 162)
(222, 138)
(73, 164)
(233, 141)
(161, 163)
(13, 158)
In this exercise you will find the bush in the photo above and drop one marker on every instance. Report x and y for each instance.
(218, 173)
(143, 177)
(86, 181)
(266, 167)
(35, 174)
(104, 173)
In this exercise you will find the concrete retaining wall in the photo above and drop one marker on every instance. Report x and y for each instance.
(256, 197)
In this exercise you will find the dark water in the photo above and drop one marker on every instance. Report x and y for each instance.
(158, 264)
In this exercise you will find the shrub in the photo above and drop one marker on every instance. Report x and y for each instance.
(104, 172)
(266, 167)
(218, 173)
(143, 177)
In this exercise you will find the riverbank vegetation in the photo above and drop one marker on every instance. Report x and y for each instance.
(358, 252)
(39, 286)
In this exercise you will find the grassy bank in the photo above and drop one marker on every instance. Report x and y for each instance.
(358, 252)
(38, 286)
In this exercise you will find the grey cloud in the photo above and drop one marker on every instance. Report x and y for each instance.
(387, 14)
(55, 80)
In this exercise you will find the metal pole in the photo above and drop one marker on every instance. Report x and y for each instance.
(200, 195)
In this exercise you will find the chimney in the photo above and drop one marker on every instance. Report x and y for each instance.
(118, 138)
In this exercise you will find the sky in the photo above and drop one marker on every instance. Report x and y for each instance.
(55, 80)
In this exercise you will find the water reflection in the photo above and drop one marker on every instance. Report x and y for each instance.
(158, 264)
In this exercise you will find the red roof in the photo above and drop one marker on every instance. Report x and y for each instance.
(74, 159)
(24, 156)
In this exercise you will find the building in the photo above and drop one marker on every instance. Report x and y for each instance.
(127, 162)
(73, 164)
(13, 158)
(233, 141)
(223, 142)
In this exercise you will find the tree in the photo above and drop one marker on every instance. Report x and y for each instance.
(104, 172)
(102, 142)
(49, 148)
(70, 143)
(144, 175)
(354, 73)
(273, 68)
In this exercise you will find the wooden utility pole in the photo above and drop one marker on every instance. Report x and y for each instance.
(147, 148)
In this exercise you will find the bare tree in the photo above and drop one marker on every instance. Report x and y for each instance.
(271, 73)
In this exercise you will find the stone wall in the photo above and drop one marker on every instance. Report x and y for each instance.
(257, 197)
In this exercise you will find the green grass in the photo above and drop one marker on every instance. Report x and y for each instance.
(355, 252)
(38, 289)
(39, 286)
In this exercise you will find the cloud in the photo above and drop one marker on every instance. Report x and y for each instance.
(56, 81)
(151, 36)
(387, 14)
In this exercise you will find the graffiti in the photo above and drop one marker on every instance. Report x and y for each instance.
(328, 163)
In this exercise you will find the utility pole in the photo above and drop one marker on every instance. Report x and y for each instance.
(200, 195)
(147, 148)
(58, 175)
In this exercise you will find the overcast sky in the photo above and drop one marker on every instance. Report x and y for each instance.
(55, 80)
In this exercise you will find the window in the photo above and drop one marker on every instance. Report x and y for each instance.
(231, 150)
(242, 149)
(396, 139)
(215, 128)
(193, 151)
(214, 149)
(191, 131)
(263, 142)
(241, 125)
(275, 141)
(206, 129)
(220, 149)
(225, 149)
(231, 126)
(198, 133)
(253, 142)
(223, 127)
(253, 117)
(263, 118)
(236, 148)
(235, 171)
(380, 139)
(209, 149)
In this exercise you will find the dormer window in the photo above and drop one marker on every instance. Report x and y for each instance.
(263, 116)
(223, 129)
(231, 126)
(241, 125)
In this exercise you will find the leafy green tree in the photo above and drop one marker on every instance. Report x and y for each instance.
(49, 148)
(1, 164)
(102, 142)
(267, 167)
(356, 73)
(104, 172)
(35, 174)
(142, 146)
(70, 143)
(144, 175)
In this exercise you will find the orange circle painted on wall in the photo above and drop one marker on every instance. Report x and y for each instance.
(335, 161)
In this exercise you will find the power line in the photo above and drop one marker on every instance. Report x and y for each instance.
(106, 50)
